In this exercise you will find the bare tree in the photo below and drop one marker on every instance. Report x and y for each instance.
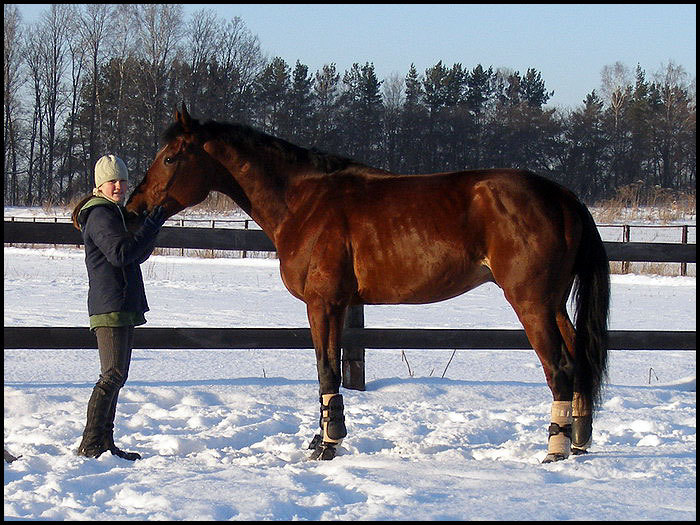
(95, 28)
(159, 28)
(35, 153)
(676, 123)
(393, 96)
(78, 57)
(239, 61)
(123, 48)
(13, 80)
(53, 42)
(616, 88)
(205, 30)
(616, 82)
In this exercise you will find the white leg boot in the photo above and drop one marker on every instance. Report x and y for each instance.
(559, 445)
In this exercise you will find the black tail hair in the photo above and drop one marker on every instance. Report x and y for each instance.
(592, 297)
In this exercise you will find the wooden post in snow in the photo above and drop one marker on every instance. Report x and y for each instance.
(353, 359)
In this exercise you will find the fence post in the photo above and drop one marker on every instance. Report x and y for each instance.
(625, 238)
(354, 356)
(182, 224)
(244, 254)
(684, 240)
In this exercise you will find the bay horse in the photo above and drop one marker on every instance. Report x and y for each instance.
(349, 234)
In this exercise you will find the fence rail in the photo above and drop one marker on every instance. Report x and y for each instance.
(356, 337)
(26, 337)
(256, 240)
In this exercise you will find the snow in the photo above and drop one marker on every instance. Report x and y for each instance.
(223, 432)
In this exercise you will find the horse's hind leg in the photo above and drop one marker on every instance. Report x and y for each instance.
(543, 333)
(582, 424)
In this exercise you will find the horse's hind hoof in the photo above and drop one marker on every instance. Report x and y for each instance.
(578, 451)
(551, 458)
(321, 449)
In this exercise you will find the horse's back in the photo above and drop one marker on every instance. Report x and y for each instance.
(425, 238)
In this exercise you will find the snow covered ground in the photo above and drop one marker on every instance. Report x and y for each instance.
(223, 433)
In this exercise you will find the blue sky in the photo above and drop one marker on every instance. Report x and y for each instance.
(568, 44)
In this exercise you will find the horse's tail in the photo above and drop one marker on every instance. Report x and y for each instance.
(592, 297)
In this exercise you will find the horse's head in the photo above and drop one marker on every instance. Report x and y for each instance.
(181, 174)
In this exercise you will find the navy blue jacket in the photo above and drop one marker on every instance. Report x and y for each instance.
(112, 256)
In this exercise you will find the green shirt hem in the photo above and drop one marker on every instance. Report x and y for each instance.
(117, 319)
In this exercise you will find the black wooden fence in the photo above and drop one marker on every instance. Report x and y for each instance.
(256, 240)
(356, 337)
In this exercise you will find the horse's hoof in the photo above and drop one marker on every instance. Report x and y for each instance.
(551, 458)
(323, 453)
(322, 450)
(578, 451)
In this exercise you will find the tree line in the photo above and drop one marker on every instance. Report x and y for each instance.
(90, 79)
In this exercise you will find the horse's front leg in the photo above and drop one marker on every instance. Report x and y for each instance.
(326, 321)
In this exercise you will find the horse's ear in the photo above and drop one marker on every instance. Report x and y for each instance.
(185, 114)
(183, 118)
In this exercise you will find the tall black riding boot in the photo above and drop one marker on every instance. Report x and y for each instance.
(93, 443)
(109, 434)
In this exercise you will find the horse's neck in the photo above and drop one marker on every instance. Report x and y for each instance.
(260, 194)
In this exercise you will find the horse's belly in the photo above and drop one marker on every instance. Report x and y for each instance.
(418, 281)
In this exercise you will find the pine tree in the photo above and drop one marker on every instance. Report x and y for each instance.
(300, 106)
(479, 92)
(640, 113)
(413, 125)
(532, 89)
(326, 91)
(361, 110)
(479, 89)
(271, 92)
(435, 97)
(584, 168)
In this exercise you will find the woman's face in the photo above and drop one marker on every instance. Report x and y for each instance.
(114, 190)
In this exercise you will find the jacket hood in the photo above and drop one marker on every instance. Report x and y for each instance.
(92, 203)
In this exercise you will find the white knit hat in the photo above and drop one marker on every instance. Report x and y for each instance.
(110, 167)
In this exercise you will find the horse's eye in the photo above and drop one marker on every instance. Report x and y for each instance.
(170, 160)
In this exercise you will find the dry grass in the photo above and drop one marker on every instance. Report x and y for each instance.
(658, 205)
(653, 268)
(216, 203)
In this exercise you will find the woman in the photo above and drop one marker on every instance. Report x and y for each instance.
(116, 296)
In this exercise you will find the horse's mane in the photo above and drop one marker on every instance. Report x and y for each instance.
(251, 140)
